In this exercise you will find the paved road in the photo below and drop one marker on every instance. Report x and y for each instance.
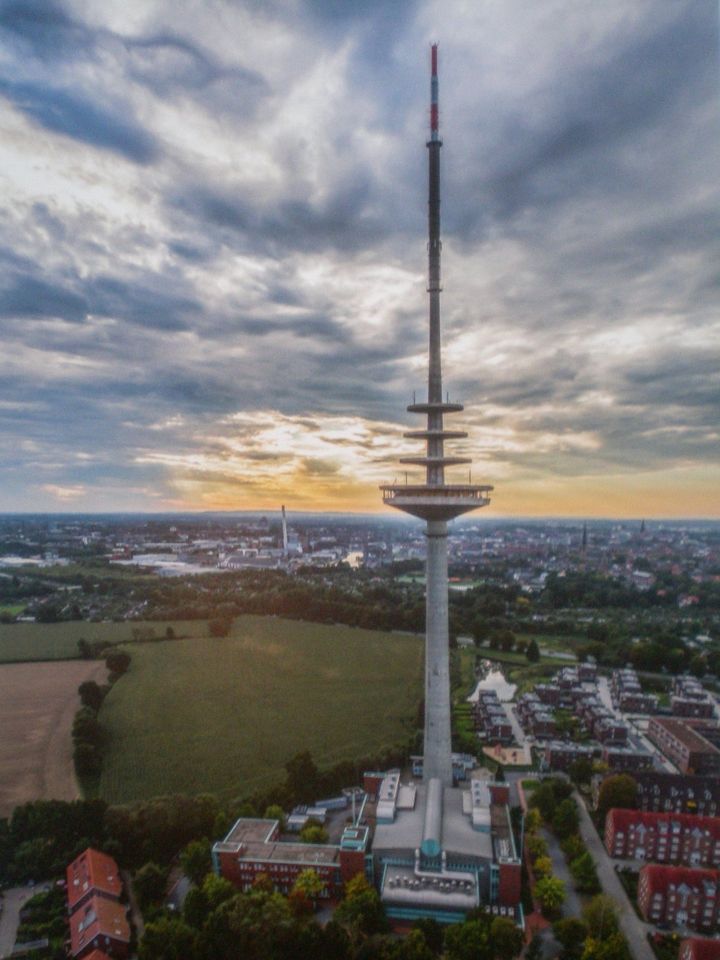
(573, 904)
(634, 929)
(12, 901)
(518, 733)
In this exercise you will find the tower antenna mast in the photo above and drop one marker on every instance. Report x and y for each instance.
(435, 500)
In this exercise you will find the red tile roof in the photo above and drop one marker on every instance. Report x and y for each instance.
(659, 877)
(696, 948)
(97, 917)
(622, 819)
(92, 871)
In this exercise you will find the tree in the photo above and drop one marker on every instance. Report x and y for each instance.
(302, 777)
(217, 890)
(542, 867)
(313, 833)
(275, 812)
(91, 695)
(601, 916)
(584, 873)
(581, 770)
(536, 845)
(532, 820)
(543, 798)
(149, 884)
(619, 790)
(613, 948)
(361, 910)
(86, 727)
(87, 759)
(507, 640)
(573, 846)
(571, 933)
(532, 651)
(506, 938)
(195, 908)
(168, 938)
(468, 941)
(565, 819)
(413, 947)
(196, 860)
(117, 662)
(309, 883)
(550, 891)
(432, 932)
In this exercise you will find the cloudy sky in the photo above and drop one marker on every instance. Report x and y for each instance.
(212, 289)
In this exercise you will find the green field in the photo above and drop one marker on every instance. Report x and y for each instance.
(59, 641)
(224, 715)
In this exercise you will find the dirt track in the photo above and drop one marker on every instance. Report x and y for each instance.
(37, 705)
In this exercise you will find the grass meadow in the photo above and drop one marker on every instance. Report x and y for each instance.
(224, 715)
(59, 641)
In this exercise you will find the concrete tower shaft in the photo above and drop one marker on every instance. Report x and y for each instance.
(435, 500)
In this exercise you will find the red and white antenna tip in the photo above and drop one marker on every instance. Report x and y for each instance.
(434, 59)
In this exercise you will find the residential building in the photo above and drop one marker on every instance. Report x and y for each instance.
(697, 948)
(92, 874)
(683, 746)
(99, 924)
(680, 794)
(677, 838)
(559, 755)
(679, 896)
(625, 759)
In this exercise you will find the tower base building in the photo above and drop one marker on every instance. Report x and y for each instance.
(441, 851)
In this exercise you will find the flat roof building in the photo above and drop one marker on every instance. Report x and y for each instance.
(683, 746)
(253, 847)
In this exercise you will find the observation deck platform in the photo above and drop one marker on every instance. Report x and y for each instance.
(435, 406)
(435, 435)
(435, 502)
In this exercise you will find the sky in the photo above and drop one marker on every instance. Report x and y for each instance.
(213, 245)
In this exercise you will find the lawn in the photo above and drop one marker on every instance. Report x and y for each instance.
(59, 641)
(224, 715)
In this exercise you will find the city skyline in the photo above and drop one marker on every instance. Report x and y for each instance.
(213, 292)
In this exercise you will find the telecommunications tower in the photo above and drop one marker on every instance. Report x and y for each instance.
(435, 500)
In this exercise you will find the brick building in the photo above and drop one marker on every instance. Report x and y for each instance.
(99, 924)
(679, 896)
(624, 759)
(535, 717)
(627, 693)
(696, 948)
(559, 755)
(253, 847)
(683, 746)
(491, 720)
(680, 794)
(98, 920)
(92, 874)
(677, 838)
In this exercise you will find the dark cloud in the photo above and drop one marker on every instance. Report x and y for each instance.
(72, 114)
(44, 26)
(166, 63)
(346, 221)
(580, 199)
(29, 296)
(594, 122)
(142, 304)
